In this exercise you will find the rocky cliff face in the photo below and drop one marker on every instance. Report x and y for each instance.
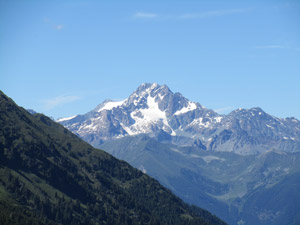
(169, 117)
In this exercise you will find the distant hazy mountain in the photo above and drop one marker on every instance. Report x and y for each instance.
(50, 176)
(241, 189)
(171, 118)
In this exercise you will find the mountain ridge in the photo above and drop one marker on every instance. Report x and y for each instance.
(154, 109)
(224, 163)
(237, 188)
(48, 175)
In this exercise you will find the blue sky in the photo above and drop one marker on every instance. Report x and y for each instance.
(63, 58)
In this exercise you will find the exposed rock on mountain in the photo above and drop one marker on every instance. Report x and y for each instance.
(192, 150)
(171, 118)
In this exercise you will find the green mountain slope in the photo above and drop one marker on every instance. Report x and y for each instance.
(50, 176)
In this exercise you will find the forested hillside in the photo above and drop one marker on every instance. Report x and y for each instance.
(50, 176)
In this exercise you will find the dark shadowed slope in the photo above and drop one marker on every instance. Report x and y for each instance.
(50, 176)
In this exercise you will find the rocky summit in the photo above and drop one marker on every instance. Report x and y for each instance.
(242, 167)
(169, 117)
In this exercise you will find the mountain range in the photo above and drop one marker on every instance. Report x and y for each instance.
(243, 167)
(171, 118)
(240, 189)
(50, 176)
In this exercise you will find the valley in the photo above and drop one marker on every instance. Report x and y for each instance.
(226, 164)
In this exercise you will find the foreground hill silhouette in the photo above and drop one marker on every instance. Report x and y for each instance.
(50, 176)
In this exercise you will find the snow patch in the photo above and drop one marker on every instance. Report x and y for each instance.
(289, 138)
(199, 122)
(175, 150)
(142, 168)
(160, 96)
(191, 106)
(127, 129)
(210, 158)
(173, 133)
(195, 156)
(150, 117)
(88, 126)
(218, 119)
(111, 105)
(66, 118)
(153, 113)
(154, 85)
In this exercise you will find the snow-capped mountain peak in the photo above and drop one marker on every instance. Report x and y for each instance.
(149, 109)
(155, 110)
